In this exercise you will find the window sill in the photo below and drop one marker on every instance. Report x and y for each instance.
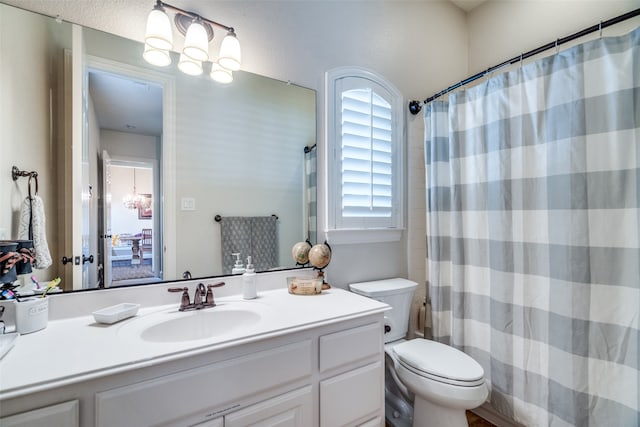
(355, 236)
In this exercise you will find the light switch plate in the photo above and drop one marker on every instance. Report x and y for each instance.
(3, 234)
(188, 204)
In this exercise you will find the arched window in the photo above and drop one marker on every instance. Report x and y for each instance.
(365, 151)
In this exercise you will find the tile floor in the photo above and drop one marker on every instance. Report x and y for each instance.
(472, 419)
(476, 421)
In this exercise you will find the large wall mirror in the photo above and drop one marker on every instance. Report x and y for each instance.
(156, 174)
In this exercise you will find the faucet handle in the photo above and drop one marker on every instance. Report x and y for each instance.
(185, 302)
(209, 300)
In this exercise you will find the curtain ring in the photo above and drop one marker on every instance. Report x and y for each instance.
(600, 29)
(521, 60)
(557, 48)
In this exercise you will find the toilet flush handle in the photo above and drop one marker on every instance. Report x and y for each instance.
(387, 329)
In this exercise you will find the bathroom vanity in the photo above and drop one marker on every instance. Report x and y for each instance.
(279, 360)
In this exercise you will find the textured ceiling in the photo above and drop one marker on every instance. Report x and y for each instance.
(126, 105)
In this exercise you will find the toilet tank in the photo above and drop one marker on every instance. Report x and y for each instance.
(398, 293)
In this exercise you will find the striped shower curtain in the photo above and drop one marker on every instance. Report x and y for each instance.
(533, 223)
(310, 192)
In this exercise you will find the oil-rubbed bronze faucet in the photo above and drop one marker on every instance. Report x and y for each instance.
(202, 298)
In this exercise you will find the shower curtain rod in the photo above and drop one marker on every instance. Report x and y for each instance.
(415, 106)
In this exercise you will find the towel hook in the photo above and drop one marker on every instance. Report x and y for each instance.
(17, 173)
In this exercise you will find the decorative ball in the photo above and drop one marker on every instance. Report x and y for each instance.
(300, 252)
(320, 255)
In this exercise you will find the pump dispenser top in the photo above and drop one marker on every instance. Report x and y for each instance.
(238, 268)
(250, 268)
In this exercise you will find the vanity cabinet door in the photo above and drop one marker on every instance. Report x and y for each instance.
(293, 409)
(376, 422)
(353, 397)
(61, 415)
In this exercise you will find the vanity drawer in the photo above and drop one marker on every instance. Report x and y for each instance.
(196, 395)
(290, 409)
(62, 415)
(348, 346)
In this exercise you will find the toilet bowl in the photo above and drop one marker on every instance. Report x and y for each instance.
(440, 381)
(398, 399)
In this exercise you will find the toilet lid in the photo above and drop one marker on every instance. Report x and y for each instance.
(445, 363)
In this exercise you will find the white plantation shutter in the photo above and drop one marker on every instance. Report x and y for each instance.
(365, 144)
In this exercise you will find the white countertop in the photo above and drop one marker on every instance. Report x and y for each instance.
(78, 349)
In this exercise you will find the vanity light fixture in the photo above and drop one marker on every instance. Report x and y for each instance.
(189, 66)
(221, 74)
(196, 42)
(198, 34)
(157, 57)
(230, 52)
(159, 34)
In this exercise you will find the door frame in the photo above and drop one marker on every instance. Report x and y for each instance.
(167, 195)
(157, 241)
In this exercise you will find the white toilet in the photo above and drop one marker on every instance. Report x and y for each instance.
(441, 381)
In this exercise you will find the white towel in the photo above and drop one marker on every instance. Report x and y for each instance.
(33, 211)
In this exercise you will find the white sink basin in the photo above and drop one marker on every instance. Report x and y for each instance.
(174, 326)
(201, 324)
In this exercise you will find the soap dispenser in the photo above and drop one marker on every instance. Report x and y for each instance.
(238, 268)
(249, 281)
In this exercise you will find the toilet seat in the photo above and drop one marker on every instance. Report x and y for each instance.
(439, 362)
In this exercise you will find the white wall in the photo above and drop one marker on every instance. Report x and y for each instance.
(26, 95)
(501, 30)
(129, 146)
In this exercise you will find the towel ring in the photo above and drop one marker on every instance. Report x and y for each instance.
(34, 176)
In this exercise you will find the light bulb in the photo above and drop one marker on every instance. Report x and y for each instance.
(159, 34)
(158, 57)
(196, 42)
(230, 55)
(220, 74)
(189, 66)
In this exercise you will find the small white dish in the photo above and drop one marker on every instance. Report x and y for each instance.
(115, 313)
(6, 342)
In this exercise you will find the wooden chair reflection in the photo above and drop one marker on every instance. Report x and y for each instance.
(146, 244)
